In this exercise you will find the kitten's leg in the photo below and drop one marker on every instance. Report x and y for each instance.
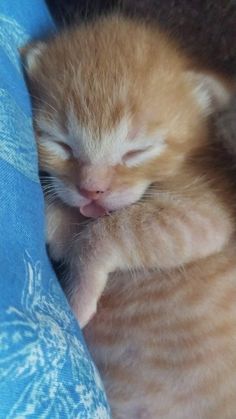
(160, 234)
(62, 224)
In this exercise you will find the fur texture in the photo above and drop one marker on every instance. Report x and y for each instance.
(124, 128)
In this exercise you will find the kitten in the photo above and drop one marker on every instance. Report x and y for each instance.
(124, 129)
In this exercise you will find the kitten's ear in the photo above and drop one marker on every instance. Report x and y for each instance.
(212, 92)
(31, 54)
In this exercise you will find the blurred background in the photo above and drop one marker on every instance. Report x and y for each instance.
(206, 28)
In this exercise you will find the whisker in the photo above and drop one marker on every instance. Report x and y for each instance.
(48, 186)
(46, 177)
(51, 197)
(43, 102)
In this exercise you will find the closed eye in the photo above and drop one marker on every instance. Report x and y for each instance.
(57, 148)
(130, 155)
(65, 147)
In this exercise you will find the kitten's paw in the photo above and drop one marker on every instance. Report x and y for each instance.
(56, 237)
(86, 292)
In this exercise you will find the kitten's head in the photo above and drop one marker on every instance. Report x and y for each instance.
(118, 107)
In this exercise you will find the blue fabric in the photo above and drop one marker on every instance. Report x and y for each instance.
(45, 369)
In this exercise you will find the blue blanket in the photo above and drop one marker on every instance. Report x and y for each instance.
(45, 368)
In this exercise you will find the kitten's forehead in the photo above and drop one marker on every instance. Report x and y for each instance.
(108, 146)
(98, 145)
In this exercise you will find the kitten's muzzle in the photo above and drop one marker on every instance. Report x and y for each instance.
(93, 180)
(92, 209)
(92, 195)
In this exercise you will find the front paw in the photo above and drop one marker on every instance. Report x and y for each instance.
(84, 308)
(57, 228)
(92, 258)
(63, 223)
(84, 292)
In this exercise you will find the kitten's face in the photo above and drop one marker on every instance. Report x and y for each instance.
(117, 109)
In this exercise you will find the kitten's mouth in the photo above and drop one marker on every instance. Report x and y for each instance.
(93, 210)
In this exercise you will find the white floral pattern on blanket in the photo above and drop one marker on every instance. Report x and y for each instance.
(37, 343)
(45, 369)
(17, 146)
(11, 36)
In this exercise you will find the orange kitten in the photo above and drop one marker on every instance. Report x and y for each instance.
(123, 122)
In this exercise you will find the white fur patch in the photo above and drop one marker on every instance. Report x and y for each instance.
(211, 93)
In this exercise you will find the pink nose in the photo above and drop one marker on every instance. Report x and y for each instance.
(93, 180)
(94, 195)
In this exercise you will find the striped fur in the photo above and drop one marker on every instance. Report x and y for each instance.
(131, 114)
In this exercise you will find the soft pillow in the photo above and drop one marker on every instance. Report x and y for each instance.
(45, 369)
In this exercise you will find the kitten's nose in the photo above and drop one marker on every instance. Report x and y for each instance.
(94, 180)
(94, 195)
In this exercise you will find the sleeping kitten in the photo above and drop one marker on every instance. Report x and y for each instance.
(124, 129)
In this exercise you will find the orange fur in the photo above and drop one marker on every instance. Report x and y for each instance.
(164, 335)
